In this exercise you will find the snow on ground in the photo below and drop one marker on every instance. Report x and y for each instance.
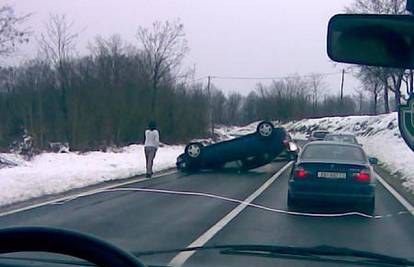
(379, 135)
(52, 173)
(8, 160)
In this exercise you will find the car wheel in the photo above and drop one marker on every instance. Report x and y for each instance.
(265, 129)
(193, 150)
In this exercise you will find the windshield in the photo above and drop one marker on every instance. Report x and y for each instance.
(166, 125)
(333, 152)
(320, 135)
(342, 138)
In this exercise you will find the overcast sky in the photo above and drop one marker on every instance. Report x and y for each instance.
(248, 38)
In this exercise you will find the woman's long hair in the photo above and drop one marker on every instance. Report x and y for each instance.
(152, 125)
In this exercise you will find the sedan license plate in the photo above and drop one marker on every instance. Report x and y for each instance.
(332, 175)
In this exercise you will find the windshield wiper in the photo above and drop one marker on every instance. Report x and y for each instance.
(318, 253)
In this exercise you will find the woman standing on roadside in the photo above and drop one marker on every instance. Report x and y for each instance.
(152, 141)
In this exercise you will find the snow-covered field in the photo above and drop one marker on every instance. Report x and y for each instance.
(52, 173)
(378, 134)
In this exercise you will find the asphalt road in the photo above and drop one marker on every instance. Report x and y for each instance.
(138, 221)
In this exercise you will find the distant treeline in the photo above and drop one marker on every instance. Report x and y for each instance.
(106, 101)
(285, 100)
(108, 96)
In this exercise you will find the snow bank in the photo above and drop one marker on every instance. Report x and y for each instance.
(378, 134)
(52, 173)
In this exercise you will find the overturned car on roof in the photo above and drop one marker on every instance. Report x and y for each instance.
(249, 151)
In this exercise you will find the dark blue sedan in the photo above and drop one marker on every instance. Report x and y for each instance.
(332, 172)
(252, 150)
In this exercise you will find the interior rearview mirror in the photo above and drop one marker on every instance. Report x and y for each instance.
(376, 40)
(373, 161)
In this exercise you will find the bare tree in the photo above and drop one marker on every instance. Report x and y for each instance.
(12, 31)
(57, 45)
(395, 7)
(163, 49)
(317, 84)
(233, 106)
(218, 102)
(371, 81)
(58, 42)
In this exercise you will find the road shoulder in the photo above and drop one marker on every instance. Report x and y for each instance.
(39, 201)
(396, 182)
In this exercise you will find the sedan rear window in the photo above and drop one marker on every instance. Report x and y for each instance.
(332, 152)
(319, 134)
(341, 138)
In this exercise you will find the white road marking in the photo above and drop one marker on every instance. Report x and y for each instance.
(397, 195)
(74, 196)
(182, 257)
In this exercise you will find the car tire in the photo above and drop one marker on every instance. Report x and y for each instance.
(265, 129)
(194, 151)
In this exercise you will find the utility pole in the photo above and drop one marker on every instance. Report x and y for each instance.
(342, 85)
(210, 106)
(342, 93)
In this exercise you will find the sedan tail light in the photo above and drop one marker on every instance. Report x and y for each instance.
(300, 173)
(363, 176)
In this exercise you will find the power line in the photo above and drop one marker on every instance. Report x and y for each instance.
(201, 78)
(272, 78)
(265, 78)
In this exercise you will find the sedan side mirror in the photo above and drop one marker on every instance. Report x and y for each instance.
(373, 161)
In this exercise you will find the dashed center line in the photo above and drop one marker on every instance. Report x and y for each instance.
(182, 257)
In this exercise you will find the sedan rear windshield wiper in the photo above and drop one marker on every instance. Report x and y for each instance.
(318, 253)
